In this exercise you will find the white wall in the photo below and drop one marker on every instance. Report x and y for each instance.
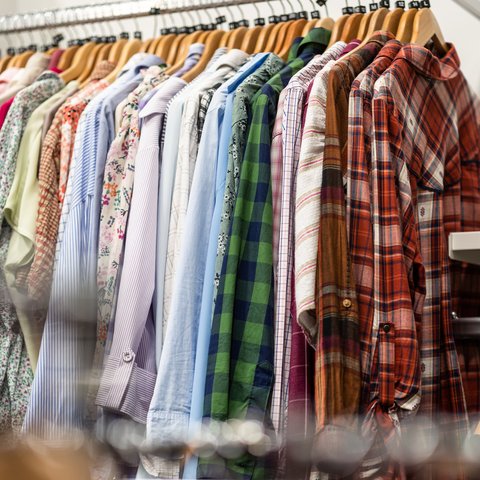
(458, 26)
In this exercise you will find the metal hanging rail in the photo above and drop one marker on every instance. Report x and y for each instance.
(89, 15)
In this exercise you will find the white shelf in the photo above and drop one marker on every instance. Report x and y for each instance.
(465, 247)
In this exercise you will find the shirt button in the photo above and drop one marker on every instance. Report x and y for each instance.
(127, 356)
(387, 328)
(347, 303)
(422, 367)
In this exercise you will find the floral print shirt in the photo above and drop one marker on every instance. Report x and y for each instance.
(116, 196)
(56, 155)
(16, 374)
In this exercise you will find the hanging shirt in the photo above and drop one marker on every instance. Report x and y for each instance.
(185, 165)
(15, 370)
(337, 378)
(171, 130)
(70, 322)
(117, 191)
(20, 212)
(4, 109)
(226, 93)
(284, 168)
(426, 167)
(55, 58)
(53, 109)
(244, 305)
(152, 117)
(36, 64)
(54, 168)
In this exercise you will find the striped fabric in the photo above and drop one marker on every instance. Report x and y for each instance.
(58, 397)
(307, 199)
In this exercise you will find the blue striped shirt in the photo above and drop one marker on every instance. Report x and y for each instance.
(58, 391)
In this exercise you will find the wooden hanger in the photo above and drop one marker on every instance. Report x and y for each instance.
(116, 50)
(364, 25)
(67, 57)
(309, 26)
(174, 48)
(276, 36)
(377, 20)
(326, 22)
(4, 62)
(22, 59)
(182, 52)
(295, 30)
(337, 30)
(405, 27)
(79, 62)
(211, 45)
(351, 27)
(265, 34)
(131, 47)
(163, 48)
(146, 43)
(91, 62)
(426, 28)
(250, 39)
(104, 52)
(236, 38)
(392, 20)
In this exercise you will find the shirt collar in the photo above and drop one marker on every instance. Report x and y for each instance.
(316, 41)
(158, 103)
(234, 59)
(219, 53)
(37, 60)
(246, 70)
(428, 64)
(195, 49)
(138, 62)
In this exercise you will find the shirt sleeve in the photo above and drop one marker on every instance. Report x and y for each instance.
(395, 248)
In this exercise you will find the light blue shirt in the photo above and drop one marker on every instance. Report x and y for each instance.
(58, 391)
(167, 181)
(223, 98)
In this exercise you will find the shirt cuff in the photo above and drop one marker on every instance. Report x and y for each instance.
(125, 387)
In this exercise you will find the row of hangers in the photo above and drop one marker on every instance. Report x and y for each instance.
(417, 24)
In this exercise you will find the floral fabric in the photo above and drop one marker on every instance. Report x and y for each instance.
(116, 196)
(16, 374)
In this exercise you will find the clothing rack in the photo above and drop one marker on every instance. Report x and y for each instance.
(56, 18)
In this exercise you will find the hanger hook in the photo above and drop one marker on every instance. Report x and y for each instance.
(291, 6)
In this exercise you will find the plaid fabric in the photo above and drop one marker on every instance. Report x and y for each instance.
(54, 167)
(307, 201)
(417, 107)
(241, 347)
(236, 148)
(337, 359)
(295, 94)
(359, 225)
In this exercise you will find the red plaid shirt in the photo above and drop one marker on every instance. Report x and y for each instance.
(337, 360)
(422, 153)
